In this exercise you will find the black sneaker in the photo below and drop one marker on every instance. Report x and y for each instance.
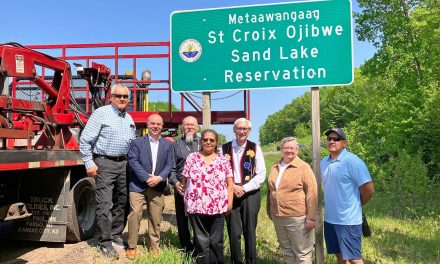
(119, 242)
(108, 252)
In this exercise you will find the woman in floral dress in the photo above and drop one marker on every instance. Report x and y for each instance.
(207, 181)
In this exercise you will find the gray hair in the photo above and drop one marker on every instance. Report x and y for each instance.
(112, 89)
(242, 120)
(289, 139)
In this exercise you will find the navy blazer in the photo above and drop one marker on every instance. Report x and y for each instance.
(140, 163)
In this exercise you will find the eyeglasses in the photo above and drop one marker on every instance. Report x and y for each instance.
(244, 129)
(335, 139)
(206, 140)
(119, 96)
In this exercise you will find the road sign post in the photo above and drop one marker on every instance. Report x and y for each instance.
(307, 43)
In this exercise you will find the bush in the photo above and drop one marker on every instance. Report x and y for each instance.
(406, 178)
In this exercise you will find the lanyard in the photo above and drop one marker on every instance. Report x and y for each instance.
(189, 149)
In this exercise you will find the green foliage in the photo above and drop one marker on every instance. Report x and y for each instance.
(160, 107)
(339, 106)
(283, 123)
(221, 138)
(390, 113)
(271, 159)
(409, 185)
(387, 24)
(272, 147)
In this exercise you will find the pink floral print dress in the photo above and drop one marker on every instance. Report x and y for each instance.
(206, 188)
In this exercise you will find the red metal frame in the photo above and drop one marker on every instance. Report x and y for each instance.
(53, 115)
(171, 118)
(25, 61)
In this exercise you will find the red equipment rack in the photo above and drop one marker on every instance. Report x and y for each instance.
(136, 52)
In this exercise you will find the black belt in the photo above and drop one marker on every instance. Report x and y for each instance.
(117, 159)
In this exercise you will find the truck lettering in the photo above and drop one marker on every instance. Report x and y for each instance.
(43, 200)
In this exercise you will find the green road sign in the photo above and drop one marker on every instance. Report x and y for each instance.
(307, 43)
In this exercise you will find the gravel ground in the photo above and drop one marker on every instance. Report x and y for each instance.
(82, 252)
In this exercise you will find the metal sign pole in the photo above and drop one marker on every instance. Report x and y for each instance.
(316, 158)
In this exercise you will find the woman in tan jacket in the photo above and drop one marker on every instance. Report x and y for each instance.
(292, 202)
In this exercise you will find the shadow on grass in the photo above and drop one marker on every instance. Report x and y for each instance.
(166, 237)
(170, 217)
(171, 238)
(402, 247)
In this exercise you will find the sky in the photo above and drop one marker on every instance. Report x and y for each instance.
(31, 22)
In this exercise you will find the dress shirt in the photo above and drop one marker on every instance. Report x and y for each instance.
(154, 145)
(108, 132)
(260, 166)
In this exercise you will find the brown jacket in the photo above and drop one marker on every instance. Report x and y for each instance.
(297, 193)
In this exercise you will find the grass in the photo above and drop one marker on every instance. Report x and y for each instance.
(400, 240)
(394, 240)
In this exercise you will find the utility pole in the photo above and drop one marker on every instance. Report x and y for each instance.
(316, 159)
(206, 110)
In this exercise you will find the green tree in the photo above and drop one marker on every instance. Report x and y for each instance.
(406, 66)
(390, 113)
(160, 107)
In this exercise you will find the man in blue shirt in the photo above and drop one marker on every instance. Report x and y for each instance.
(347, 186)
(104, 145)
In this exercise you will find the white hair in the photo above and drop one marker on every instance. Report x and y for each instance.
(112, 89)
(289, 139)
(242, 120)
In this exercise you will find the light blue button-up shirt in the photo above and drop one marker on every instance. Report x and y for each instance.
(341, 179)
(107, 132)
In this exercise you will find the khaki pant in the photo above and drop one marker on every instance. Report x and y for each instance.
(295, 240)
(155, 202)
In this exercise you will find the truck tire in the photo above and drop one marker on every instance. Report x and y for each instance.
(81, 216)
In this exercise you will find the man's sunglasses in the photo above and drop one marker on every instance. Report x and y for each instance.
(119, 96)
(206, 140)
(335, 139)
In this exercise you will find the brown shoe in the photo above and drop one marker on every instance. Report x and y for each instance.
(131, 253)
(155, 253)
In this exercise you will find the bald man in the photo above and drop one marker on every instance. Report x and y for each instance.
(150, 159)
(188, 143)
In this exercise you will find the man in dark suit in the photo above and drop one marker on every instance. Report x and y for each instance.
(150, 159)
(182, 147)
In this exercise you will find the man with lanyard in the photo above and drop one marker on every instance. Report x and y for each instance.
(347, 187)
(249, 171)
(182, 147)
(104, 144)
